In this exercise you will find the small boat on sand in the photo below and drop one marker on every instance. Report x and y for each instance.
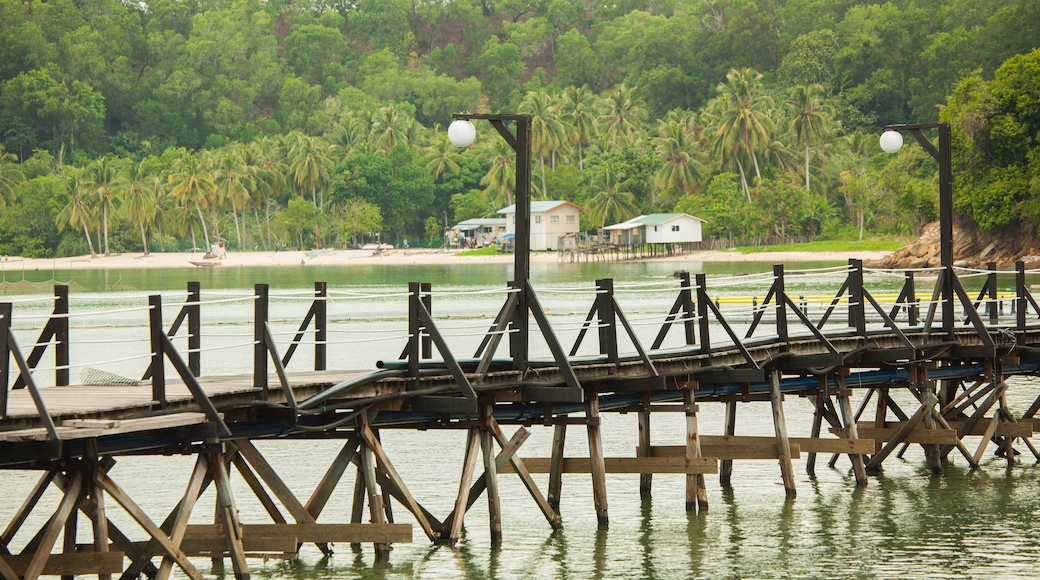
(204, 264)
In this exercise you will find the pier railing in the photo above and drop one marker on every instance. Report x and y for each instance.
(701, 308)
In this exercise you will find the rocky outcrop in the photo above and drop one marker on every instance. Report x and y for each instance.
(972, 248)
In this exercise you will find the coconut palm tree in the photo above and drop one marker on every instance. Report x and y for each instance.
(76, 213)
(265, 156)
(682, 168)
(10, 175)
(622, 116)
(192, 183)
(103, 175)
(309, 165)
(439, 157)
(500, 180)
(547, 131)
(579, 114)
(740, 121)
(613, 199)
(133, 187)
(812, 118)
(390, 127)
(234, 180)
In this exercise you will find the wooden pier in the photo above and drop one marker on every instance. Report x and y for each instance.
(954, 367)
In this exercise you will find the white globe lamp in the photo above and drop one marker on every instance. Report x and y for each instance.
(461, 133)
(891, 141)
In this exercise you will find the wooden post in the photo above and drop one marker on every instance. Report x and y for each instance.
(68, 545)
(599, 470)
(61, 336)
(857, 307)
(260, 312)
(696, 490)
(490, 472)
(194, 308)
(645, 479)
(469, 463)
(321, 309)
(919, 379)
(608, 345)
(851, 432)
(552, 494)
(729, 428)
(158, 364)
(783, 446)
(96, 499)
(817, 424)
(228, 512)
(6, 309)
(375, 499)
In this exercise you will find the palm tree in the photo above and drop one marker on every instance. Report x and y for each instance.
(309, 165)
(390, 127)
(677, 147)
(265, 156)
(547, 132)
(613, 198)
(811, 120)
(134, 188)
(103, 175)
(10, 175)
(234, 180)
(439, 157)
(740, 120)
(501, 176)
(579, 113)
(190, 182)
(76, 213)
(623, 115)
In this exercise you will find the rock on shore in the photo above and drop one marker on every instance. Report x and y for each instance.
(972, 248)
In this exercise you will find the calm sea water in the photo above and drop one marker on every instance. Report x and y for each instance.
(905, 523)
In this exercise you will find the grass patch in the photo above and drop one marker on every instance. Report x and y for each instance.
(485, 251)
(827, 246)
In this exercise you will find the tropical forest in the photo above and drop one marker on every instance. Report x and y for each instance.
(168, 125)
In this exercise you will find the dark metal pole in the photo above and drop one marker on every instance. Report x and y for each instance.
(942, 155)
(521, 144)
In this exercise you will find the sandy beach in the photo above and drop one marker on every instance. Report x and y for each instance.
(387, 257)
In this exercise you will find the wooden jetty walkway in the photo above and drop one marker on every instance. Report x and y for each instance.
(952, 354)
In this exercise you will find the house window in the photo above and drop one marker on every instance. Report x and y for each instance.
(570, 219)
(655, 228)
(675, 228)
(554, 219)
(537, 219)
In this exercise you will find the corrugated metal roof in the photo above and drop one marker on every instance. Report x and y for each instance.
(538, 206)
(654, 219)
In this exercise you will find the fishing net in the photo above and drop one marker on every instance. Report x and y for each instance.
(89, 376)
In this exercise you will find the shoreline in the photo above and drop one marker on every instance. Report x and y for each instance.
(394, 257)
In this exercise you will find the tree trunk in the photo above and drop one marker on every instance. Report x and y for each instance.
(90, 244)
(806, 165)
(144, 239)
(205, 232)
(104, 220)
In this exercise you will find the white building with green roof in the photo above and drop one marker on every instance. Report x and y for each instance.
(656, 228)
(550, 221)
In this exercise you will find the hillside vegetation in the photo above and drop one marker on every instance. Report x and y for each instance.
(170, 124)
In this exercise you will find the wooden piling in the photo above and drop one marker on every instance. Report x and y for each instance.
(696, 490)
(599, 470)
(645, 479)
(729, 429)
(783, 446)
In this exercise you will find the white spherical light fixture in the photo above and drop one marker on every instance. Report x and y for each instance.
(891, 141)
(461, 133)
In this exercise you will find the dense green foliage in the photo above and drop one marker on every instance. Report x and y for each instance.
(168, 124)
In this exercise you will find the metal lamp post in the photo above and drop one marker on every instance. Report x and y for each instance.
(461, 133)
(891, 141)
